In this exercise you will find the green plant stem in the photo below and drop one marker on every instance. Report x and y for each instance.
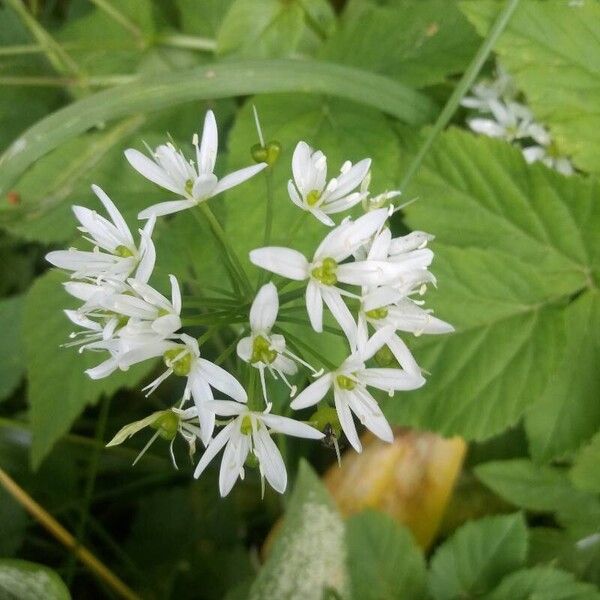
(100, 81)
(92, 472)
(221, 237)
(188, 42)
(268, 218)
(461, 89)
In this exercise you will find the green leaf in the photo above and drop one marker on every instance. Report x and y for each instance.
(58, 387)
(211, 81)
(22, 580)
(546, 583)
(384, 562)
(202, 17)
(12, 359)
(308, 555)
(418, 43)
(585, 473)
(477, 556)
(552, 50)
(514, 244)
(13, 522)
(568, 414)
(534, 487)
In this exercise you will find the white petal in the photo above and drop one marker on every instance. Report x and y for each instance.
(166, 208)
(314, 306)
(213, 448)
(207, 154)
(407, 316)
(237, 177)
(114, 213)
(221, 380)
(369, 414)
(391, 379)
(301, 166)
(227, 408)
(403, 355)
(150, 170)
(294, 196)
(321, 216)
(381, 245)
(204, 187)
(377, 341)
(175, 294)
(244, 348)
(413, 241)
(104, 369)
(271, 463)
(350, 180)
(291, 427)
(147, 252)
(380, 297)
(234, 456)
(341, 314)
(487, 127)
(346, 420)
(264, 309)
(314, 393)
(282, 261)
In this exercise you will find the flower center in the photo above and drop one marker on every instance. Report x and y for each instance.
(325, 273)
(377, 313)
(189, 186)
(178, 359)
(246, 426)
(313, 197)
(261, 351)
(345, 383)
(123, 251)
(167, 425)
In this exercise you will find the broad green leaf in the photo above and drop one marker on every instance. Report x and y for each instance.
(585, 473)
(384, 562)
(568, 413)
(23, 580)
(13, 522)
(514, 244)
(210, 82)
(531, 486)
(12, 360)
(308, 556)
(477, 556)
(546, 583)
(59, 389)
(418, 43)
(552, 50)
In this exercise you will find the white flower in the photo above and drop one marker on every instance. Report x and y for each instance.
(250, 433)
(168, 423)
(548, 156)
(184, 360)
(511, 121)
(380, 200)
(350, 382)
(196, 183)
(325, 270)
(488, 92)
(146, 304)
(264, 349)
(310, 191)
(115, 254)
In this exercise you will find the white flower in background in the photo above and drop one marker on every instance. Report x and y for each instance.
(168, 423)
(548, 156)
(183, 358)
(264, 349)
(511, 121)
(380, 200)
(350, 381)
(310, 190)
(487, 92)
(115, 254)
(326, 269)
(170, 169)
(146, 304)
(249, 433)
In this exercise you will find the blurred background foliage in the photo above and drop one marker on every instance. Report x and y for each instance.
(517, 262)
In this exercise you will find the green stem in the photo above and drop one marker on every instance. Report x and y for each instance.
(92, 472)
(101, 81)
(461, 89)
(222, 239)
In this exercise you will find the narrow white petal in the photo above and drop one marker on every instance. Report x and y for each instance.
(294, 196)
(263, 312)
(343, 204)
(377, 341)
(314, 393)
(403, 355)
(380, 297)
(104, 369)
(346, 420)
(175, 294)
(341, 314)
(165, 208)
(350, 180)
(237, 177)
(150, 170)
(227, 408)
(271, 463)
(114, 213)
(244, 348)
(291, 427)
(369, 414)
(233, 460)
(213, 448)
(204, 187)
(381, 245)
(301, 164)
(486, 127)
(314, 306)
(282, 261)
(391, 379)
(209, 145)
(221, 380)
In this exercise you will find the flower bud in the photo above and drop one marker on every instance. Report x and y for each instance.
(167, 425)
(268, 154)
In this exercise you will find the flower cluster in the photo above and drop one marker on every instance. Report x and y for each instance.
(500, 114)
(370, 281)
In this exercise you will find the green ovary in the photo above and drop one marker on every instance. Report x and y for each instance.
(313, 197)
(261, 351)
(189, 186)
(180, 362)
(246, 426)
(167, 425)
(325, 273)
(123, 252)
(377, 313)
(345, 383)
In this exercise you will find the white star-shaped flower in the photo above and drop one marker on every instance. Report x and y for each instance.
(170, 169)
(310, 190)
(249, 433)
(115, 254)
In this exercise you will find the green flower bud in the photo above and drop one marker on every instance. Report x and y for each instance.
(268, 154)
(167, 424)
(179, 360)
(377, 313)
(251, 461)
